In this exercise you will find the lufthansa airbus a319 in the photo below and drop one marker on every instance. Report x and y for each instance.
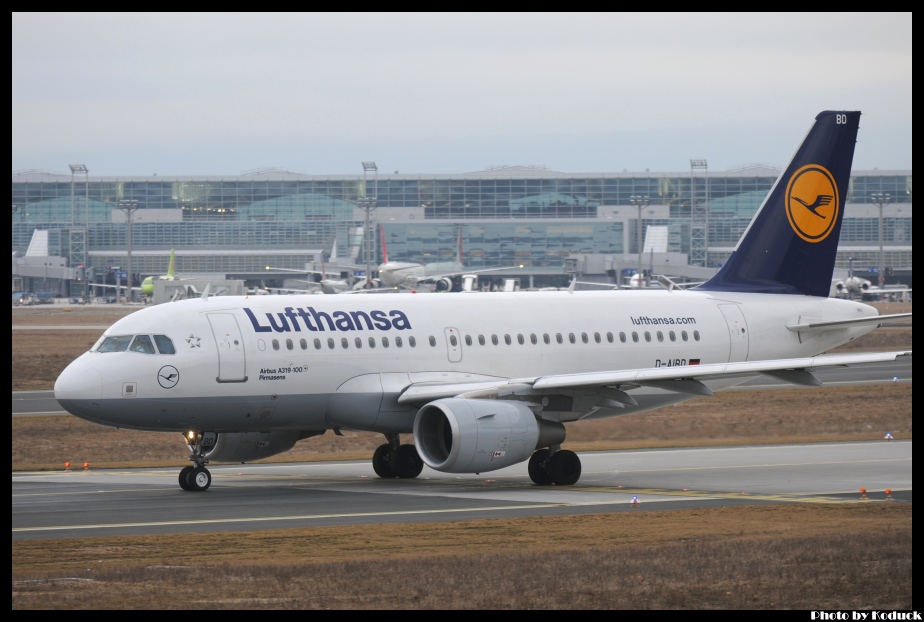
(485, 381)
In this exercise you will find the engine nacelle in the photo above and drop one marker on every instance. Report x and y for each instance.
(444, 284)
(457, 435)
(248, 446)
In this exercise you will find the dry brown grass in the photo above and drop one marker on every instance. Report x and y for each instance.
(757, 557)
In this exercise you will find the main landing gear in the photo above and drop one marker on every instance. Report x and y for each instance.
(195, 478)
(554, 466)
(394, 460)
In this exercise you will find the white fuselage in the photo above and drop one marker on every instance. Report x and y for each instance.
(398, 273)
(305, 362)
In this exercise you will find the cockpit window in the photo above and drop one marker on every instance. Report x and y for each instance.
(164, 344)
(117, 343)
(143, 344)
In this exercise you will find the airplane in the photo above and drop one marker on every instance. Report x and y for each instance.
(326, 284)
(438, 275)
(487, 381)
(147, 285)
(858, 288)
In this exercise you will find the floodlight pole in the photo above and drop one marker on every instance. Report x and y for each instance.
(640, 202)
(129, 206)
(881, 199)
(368, 203)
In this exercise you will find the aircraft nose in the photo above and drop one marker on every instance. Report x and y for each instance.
(79, 388)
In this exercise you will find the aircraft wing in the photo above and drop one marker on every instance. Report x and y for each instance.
(433, 278)
(136, 289)
(612, 386)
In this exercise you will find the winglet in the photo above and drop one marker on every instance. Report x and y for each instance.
(205, 292)
(791, 244)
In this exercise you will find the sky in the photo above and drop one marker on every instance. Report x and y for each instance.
(446, 93)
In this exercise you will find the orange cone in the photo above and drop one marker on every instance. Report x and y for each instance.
(863, 496)
(888, 492)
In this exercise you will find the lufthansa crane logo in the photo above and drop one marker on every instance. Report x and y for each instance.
(812, 203)
(168, 376)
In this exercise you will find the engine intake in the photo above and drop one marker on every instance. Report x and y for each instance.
(455, 435)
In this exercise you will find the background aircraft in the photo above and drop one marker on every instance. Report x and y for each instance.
(441, 276)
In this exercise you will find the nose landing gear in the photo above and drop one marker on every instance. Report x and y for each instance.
(196, 478)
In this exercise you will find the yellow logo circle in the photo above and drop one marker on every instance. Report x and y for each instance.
(812, 202)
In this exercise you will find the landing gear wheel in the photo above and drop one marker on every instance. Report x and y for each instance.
(564, 467)
(184, 473)
(382, 462)
(199, 479)
(538, 471)
(406, 462)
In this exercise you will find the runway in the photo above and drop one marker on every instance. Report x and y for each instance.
(94, 503)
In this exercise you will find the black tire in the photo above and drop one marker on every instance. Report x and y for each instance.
(184, 473)
(538, 468)
(564, 467)
(382, 462)
(406, 462)
(199, 479)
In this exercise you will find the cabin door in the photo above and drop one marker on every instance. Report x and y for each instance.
(737, 331)
(231, 362)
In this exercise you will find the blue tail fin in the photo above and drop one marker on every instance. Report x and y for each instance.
(791, 244)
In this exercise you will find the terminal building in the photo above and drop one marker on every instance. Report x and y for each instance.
(258, 225)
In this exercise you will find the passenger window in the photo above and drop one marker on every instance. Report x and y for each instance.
(673, 336)
(468, 340)
(371, 342)
(660, 336)
(507, 339)
(304, 344)
(683, 335)
(275, 344)
(398, 342)
(481, 340)
(559, 338)
(411, 341)
(635, 336)
(115, 344)
(359, 342)
(597, 337)
(584, 338)
(317, 344)
(143, 344)
(520, 340)
(164, 344)
(622, 337)
(384, 342)
(494, 339)
(696, 335)
(571, 338)
(533, 339)
(546, 338)
(453, 340)
(433, 341)
(330, 343)
(289, 344)
(647, 336)
(344, 343)
(609, 337)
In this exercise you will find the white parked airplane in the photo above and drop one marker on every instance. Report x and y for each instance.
(437, 275)
(485, 381)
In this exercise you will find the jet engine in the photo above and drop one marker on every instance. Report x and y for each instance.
(445, 284)
(456, 435)
(248, 446)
